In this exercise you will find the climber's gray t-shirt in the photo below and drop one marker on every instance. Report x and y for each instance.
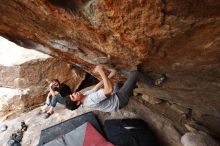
(98, 101)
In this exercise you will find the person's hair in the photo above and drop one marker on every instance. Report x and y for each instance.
(56, 80)
(71, 105)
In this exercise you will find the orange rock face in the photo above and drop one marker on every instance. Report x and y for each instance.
(180, 38)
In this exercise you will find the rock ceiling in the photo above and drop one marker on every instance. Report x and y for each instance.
(181, 38)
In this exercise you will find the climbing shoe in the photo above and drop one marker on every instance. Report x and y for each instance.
(160, 80)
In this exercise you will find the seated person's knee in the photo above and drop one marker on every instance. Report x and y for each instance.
(53, 101)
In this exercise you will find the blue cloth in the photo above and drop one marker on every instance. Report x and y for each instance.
(56, 99)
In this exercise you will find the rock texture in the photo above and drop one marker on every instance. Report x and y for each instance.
(180, 38)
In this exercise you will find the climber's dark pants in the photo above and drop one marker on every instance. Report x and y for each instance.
(126, 91)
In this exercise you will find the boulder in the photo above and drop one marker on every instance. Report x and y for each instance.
(27, 75)
(10, 101)
(198, 138)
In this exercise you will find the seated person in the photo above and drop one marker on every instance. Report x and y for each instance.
(108, 99)
(57, 93)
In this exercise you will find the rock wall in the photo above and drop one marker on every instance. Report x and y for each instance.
(180, 38)
(36, 72)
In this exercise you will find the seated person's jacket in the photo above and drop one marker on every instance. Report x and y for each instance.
(63, 89)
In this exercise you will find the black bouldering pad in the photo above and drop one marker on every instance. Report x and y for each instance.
(129, 132)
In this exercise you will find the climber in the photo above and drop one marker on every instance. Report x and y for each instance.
(57, 93)
(108, 99)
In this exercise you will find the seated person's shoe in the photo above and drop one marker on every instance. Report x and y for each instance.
(161, 80)
(47, 115)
